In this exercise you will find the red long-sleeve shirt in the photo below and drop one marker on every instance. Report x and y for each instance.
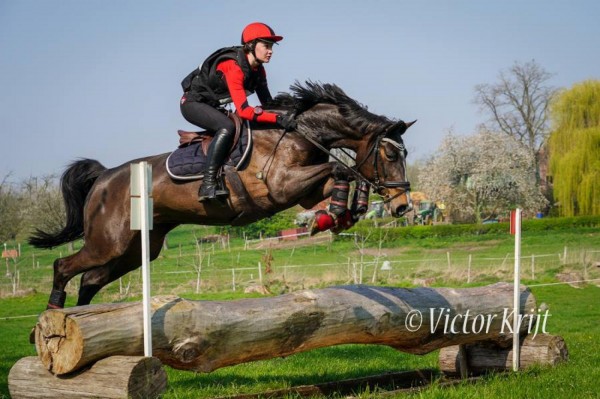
(234, 77)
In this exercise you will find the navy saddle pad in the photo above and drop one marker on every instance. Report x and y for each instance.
(188, 163)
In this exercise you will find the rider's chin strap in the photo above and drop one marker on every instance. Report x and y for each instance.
(253, 52)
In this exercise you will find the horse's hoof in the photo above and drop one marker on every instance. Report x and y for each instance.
(32, 336)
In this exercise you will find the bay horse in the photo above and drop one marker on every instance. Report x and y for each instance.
(284, 169)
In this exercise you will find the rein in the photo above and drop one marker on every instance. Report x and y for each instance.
(261, 174)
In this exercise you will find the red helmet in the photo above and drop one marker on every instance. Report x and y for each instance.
(258, 30)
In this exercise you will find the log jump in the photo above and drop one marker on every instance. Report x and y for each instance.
(206, 335)
(95, 350)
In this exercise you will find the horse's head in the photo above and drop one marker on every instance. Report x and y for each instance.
(389, 169)
(331, 119)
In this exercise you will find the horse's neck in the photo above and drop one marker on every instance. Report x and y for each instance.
(332, 136)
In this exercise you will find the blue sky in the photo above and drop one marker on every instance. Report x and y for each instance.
(100, 78)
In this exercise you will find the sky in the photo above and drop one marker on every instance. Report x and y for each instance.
(101, 79)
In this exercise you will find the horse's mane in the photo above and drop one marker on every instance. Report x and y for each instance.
(306, 96)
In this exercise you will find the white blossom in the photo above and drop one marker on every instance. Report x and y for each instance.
(481, 176)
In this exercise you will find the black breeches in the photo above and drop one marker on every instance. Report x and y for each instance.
(206, 117)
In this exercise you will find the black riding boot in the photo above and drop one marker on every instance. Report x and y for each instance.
(212, 187)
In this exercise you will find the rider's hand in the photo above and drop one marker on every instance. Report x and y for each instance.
(287, 122)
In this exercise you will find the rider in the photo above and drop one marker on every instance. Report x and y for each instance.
(230, 75)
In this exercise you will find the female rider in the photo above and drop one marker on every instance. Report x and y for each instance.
(230, 75)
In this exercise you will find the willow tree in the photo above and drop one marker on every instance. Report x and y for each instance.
(575, 149)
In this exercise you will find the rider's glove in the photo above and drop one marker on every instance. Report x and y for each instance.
(287, 122)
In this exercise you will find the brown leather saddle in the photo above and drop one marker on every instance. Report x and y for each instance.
(186, 138)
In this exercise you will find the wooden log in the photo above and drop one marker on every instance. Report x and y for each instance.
(206, 335)
(112, 377)
(483, 357)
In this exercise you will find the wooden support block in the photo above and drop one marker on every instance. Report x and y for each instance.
(482, 357)
(112, 377)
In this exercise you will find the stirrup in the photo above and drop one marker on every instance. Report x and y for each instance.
(221, 190)
(207, 192)
(222, 193)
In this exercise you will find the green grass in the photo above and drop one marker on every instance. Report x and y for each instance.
(575, 317)
(575, 314)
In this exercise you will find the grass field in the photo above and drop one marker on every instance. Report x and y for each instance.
(575, 312)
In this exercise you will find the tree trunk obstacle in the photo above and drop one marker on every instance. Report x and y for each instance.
(95, 350)
(206, 335)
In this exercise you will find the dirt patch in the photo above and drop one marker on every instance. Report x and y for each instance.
(574, 279)
(283, 244)
(17, 293)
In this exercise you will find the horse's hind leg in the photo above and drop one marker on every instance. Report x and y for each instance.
(93, 280)
(67, 268)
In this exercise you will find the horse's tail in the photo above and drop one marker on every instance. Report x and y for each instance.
(76, 182)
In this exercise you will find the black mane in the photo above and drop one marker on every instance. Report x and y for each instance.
(312, 93)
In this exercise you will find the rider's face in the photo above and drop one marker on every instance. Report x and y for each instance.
(263, 51)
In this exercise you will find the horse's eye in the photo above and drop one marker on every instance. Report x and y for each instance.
(391, 155)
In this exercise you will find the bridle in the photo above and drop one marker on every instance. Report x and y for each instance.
(379, 185)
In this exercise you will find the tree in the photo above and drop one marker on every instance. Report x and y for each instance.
(575, 149)
(478, 177)
(518, 106)
(414, 171)
(34, 202)
(44, 203)
(10, 214)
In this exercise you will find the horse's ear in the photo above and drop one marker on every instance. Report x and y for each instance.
(401, 126)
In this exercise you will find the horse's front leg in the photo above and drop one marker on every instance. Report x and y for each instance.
(338, 174)
(307, 185)
(338, 217)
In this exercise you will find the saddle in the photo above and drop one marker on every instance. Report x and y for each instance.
(188, 160)
(186, 138)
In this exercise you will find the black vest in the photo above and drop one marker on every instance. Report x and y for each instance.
(206, 84)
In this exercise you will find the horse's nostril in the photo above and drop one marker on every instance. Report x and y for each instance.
(401, 210)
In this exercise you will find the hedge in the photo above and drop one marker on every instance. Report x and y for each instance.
(368, 227)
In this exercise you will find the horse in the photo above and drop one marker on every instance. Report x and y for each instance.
(285, 168)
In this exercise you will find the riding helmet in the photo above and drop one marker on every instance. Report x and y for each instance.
(259, 31)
